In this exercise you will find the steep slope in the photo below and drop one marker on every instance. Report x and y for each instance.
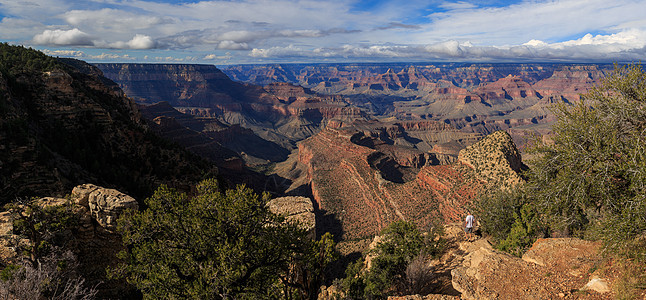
(366, 188)
(279, 113)
(209, 138)
(60, 127)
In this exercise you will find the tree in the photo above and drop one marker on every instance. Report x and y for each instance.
(591, 179)
(40, 230)
(214, 246)
(510, 218)
(397, 265)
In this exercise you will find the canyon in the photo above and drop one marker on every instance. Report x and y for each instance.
(370, 143)
(472, 97)
(66, 125)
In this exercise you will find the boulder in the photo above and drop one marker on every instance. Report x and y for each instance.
(107, 204)
(51, 201)
(81, 193)
(296, 209)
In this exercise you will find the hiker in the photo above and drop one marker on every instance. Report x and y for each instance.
(468, 226)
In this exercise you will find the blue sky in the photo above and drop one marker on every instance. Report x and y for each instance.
(268, 31)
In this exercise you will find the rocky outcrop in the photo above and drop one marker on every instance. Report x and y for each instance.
(296, 209)
(552, 269)
(106, 205)
(495, 159)
(94, 240)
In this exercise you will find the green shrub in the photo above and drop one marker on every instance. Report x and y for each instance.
(398, 263)
(218, 245)
(511, 219)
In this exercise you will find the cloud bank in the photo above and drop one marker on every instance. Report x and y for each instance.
(257, 31)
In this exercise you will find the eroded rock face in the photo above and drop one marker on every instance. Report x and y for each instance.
(295, 209)
(363, 179)
(495, 159)
(105, 204)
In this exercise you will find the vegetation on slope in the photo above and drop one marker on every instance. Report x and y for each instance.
(219, 246)
(46, 266)
(60, 127)
(398, 263)
(589, 181)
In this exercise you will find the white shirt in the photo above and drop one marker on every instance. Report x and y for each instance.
(469, 221)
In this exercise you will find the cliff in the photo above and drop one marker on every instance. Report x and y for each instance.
(280, 113)
(60, 127)
(480, 98)
(362, 180)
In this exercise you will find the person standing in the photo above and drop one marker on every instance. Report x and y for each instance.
(468, 226)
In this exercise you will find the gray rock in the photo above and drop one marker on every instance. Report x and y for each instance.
(81, 193)
(105, 205)
(296, 209)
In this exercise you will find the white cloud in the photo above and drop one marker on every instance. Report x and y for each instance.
(65, 53)
(231, 45)
(536, 43)
(110, 56)
(337, 29)
(225, 57)
(241, 39)
(108, 19)
(549, 21)
(457, 5)
(73, 37)
(141, 41)
(138, 42)
(279, 52)
(169, 59)
(14, 28)
(624, 46)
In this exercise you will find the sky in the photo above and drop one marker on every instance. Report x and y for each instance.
(227, 32)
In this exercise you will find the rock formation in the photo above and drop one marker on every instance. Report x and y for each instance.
(95, 241)
(232, 124)
(495, 159)
(366, 188)
(296, 209)
(552, 269)
(106, 205)
(479, 98)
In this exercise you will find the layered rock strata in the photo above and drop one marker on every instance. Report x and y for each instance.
(366, 196)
